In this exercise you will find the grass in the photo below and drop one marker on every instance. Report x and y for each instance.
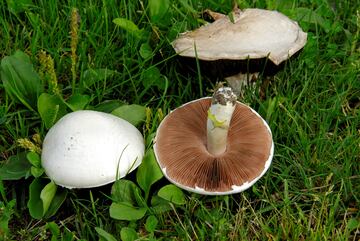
(311, 191)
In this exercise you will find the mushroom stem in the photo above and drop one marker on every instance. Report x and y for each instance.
(218, 122)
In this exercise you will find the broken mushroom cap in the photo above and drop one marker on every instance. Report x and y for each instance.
(181, 149)
(253, 34)
(89, 149)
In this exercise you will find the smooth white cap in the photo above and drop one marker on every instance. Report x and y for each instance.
(86, 148)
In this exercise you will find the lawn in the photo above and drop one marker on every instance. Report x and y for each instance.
(104, 55)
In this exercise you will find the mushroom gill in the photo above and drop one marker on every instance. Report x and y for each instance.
(182, 153)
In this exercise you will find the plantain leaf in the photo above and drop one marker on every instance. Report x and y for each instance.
(51, 108)
(172, 194)
(47, 194)
(148, 172)
(35, 204)
(135, 114)
(20, 80)
(105, 235)
(126, 211)
(15, 168)
(78, 102)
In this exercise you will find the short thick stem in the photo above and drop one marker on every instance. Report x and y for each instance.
(218, 122)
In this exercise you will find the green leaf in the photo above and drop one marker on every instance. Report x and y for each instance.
(128, 26)
(108, 106)
(36, 171)
(34, 159)
(158, 9)
(126, 211)
(35, 204)
(47, 194)
(78, 102)
(352, 224)
(151, 223)
(159, 205)
(54, 228)
(128, 234)
(18, 6)
(93, 76)
(153, 77)
(124, 191)
(310, 16)
(105, 235)
(20, 80)
(51, 108)
(6, 212)
(148, 172)
(57, 201)
(15, 168)
(135, 114)
(145, 51)
(172, 194)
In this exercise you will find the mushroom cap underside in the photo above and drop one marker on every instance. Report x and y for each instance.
(255, 33)
(89, 149)
(180, 149)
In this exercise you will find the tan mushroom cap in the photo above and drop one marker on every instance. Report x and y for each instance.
(255, 33)
(180, 149)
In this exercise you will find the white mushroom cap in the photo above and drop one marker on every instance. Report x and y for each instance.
(255, 33)
(86, 148)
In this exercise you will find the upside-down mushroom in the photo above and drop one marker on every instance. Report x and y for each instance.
(214, 146)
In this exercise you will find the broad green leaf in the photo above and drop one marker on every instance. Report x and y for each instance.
(18, 6)
(145, 51)
(57, 201)
(35, 204)
(172, 194)
(54, 228)
(128, 234)
(34, 159)
(78, 102)
(129, 26)
(125, 211)
(108, 106)
(15, 168)
(20, 80)
(151, 223)
(51, 108)
(47, 194)
(135, 114)
(158, 9)
(153, 77)
(148, 172)
(105, 235)
(124, 191)
(352, 224)
(93, 76)
(159, 205)
(36, 171)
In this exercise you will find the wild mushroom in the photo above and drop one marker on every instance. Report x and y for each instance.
(214, 146)
(89, 149)
(254, 35)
